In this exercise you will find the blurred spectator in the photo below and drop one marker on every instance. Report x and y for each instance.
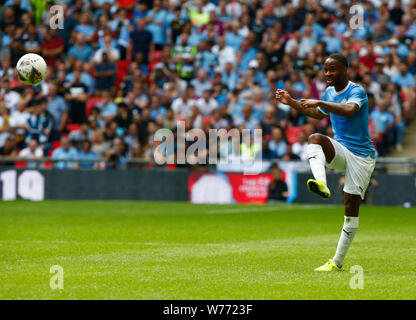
(182, 105)
(225, 53)
(201, 83)
(40, 122)
(85, 27)
(77, 137)
(124, 116)
(76, 96)
(383, 122)
(247, 121)
(278, 191)
(290, 156)
(10, 97)
(58, 108)
(85, 153)
(403, 78)
(217, 121)
(132, 138)
(99, 146)
(300, 146)
(8, 150)
(117, 155)
(107, 108)
(278, 144)
(269, 120)
(65, 152)
(105, 73)
(4, 125)
(18, 121)
(32, 151)
(80, 50)
(52, 46)
(141, 39)
(113, 54)
(207, 104)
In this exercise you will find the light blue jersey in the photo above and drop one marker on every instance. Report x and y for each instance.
(351, 132)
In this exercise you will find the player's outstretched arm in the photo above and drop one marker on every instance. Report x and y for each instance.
(284, 97)
(340, 109)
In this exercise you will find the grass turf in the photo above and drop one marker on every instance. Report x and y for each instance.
(148, 250)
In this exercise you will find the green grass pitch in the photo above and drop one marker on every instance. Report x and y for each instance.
(149, 250)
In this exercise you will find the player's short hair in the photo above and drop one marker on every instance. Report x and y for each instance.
(339, 57)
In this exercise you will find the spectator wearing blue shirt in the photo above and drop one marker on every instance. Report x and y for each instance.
(247, 121)
(80, 50)
(24, 4)
(233, 38)
(395, 135)
(403, 78)
(248, 54)
(201, 83)
(85, 77)
(5, 40)
(156, 24)
(205, 58)
(411, 61)
(132, 138)
(410, 26)
(86, 154)
(394, 45)
(259, 105)
(258, 75)
(229, 76)
(220, 93)
(194, 38)
(277, 145)
(85, 27)
(140, 13)
(107, 108)
(65, 152)
(383, 119)
(317, 29)
(333, 43)
(156, 109)
(58, 108)
(340, 27)
(362, 33)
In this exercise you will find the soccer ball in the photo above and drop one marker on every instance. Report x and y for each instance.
(31, 68)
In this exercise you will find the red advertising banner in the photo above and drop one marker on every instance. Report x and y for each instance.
(229, 187)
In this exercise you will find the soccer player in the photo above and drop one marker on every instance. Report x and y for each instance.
(350, 151)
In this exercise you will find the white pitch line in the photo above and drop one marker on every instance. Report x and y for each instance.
(260, 209)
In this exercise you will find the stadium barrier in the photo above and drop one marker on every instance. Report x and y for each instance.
(161, 184)
(39, 184)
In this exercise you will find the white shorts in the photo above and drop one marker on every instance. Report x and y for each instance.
(357, 169)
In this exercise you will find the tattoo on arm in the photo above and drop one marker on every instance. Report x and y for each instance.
(310, 112)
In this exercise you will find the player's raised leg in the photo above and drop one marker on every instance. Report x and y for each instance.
(320, 150)
(352, 206)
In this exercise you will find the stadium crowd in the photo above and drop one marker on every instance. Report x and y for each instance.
(120, 70)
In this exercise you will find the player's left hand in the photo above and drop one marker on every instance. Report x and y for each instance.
(309, 103)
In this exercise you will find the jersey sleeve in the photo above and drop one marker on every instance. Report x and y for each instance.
(358, 96)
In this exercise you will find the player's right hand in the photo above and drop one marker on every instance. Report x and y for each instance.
(283, 96)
